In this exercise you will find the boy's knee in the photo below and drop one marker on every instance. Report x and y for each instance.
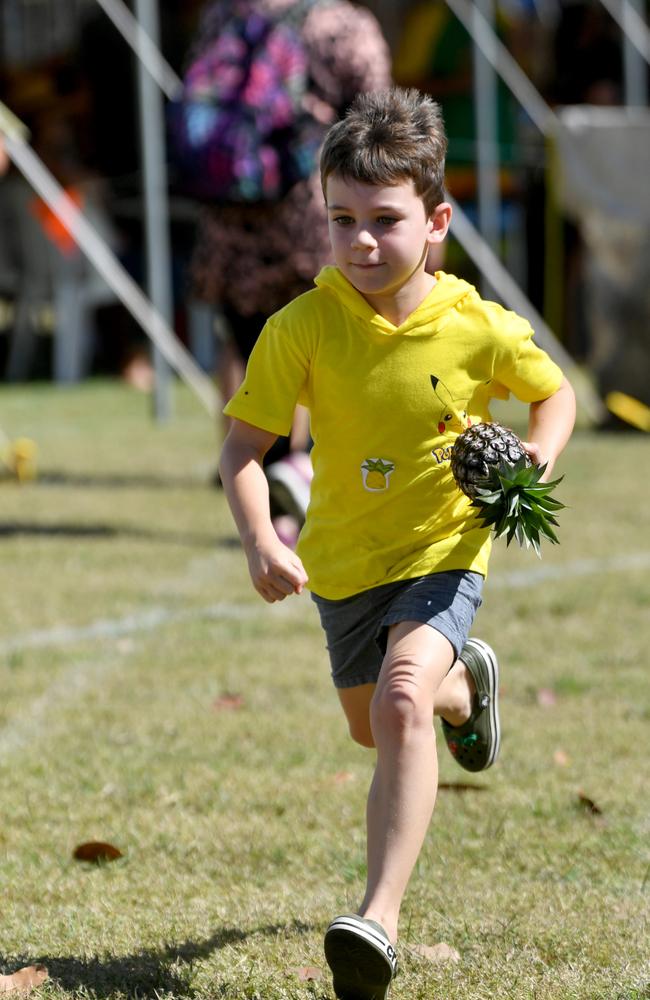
(401, 706)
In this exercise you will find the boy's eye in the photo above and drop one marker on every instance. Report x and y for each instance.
(342, 220)
(387, 220)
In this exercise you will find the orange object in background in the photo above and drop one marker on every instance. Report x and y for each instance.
(4, 158)
(52, 226)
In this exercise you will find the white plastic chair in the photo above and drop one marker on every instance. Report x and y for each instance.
(40, 277)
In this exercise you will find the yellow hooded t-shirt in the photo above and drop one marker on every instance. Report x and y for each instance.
(386, 405)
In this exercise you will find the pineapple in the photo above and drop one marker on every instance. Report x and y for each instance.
(491, 467)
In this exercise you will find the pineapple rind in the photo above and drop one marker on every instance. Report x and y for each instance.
(491, 467)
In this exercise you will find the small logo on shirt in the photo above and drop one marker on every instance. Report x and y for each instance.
(376, 473)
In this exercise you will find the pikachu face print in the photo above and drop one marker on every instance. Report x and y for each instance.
(452, 415)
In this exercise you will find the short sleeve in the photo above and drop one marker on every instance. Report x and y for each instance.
(275, 381)
(522, 367)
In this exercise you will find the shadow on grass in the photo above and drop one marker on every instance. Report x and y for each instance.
(121, 481)
(149, 973)
(112, 531)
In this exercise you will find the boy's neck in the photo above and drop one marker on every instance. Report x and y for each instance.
(397, 307)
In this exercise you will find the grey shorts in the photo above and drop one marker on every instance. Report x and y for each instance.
(356, 627)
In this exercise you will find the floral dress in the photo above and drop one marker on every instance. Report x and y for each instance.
(253, 259)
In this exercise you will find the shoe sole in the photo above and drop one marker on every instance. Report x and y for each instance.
(492, 667)
(361, 960)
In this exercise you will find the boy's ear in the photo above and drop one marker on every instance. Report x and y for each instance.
(439, 219)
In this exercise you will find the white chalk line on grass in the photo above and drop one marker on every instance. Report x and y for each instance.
(36, 717)
(579, 567)
(106, 628)
(82, 677)
(153, 618)
(145, 621)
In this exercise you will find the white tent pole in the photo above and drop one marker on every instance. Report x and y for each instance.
(158, 258)
(486, 131)
(483, 34)
(144, 47)
(628, 18)
(632, 24)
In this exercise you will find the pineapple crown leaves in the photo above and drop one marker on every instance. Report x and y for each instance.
(514, 502)
(378, 465)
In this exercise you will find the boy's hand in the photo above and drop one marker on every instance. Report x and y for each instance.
(276, 571)
(533, 451)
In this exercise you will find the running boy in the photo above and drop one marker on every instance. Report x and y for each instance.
(392, 363)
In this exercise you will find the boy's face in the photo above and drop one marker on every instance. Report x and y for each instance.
(380, 238)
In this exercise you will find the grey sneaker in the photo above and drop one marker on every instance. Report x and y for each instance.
(361, 957)
(475, 744)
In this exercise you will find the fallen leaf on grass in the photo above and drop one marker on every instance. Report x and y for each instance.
(440, 952)
(561, 758)
(24, 980)
(342, 777)
(588, 804)
(97, 851)
(309, 974)
(546, 698)
(460, 786)
(227, 702)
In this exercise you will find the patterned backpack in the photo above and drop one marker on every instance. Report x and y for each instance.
(239, 132)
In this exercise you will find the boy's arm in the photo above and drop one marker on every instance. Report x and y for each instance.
(276, 571)
(550, 425)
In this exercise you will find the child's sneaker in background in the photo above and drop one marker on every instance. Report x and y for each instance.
(289, 483)
(287, 529)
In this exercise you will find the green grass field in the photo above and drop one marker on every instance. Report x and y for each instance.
(150, 699)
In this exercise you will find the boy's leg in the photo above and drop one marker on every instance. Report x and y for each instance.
(403, 790)
(456, 694)
(453, 702)
(418, 679)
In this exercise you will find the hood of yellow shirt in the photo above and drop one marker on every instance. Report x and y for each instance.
(447, 293)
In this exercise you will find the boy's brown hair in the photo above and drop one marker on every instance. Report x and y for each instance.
(387, 137)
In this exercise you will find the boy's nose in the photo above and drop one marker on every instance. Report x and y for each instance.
(363, 239)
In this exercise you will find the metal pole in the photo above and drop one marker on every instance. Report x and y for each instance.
(484, 35)
(156, 212)
(631, 23)
(635, 74)
(134, 35)
(487, 142)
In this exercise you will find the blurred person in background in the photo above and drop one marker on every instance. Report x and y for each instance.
(249, 260)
